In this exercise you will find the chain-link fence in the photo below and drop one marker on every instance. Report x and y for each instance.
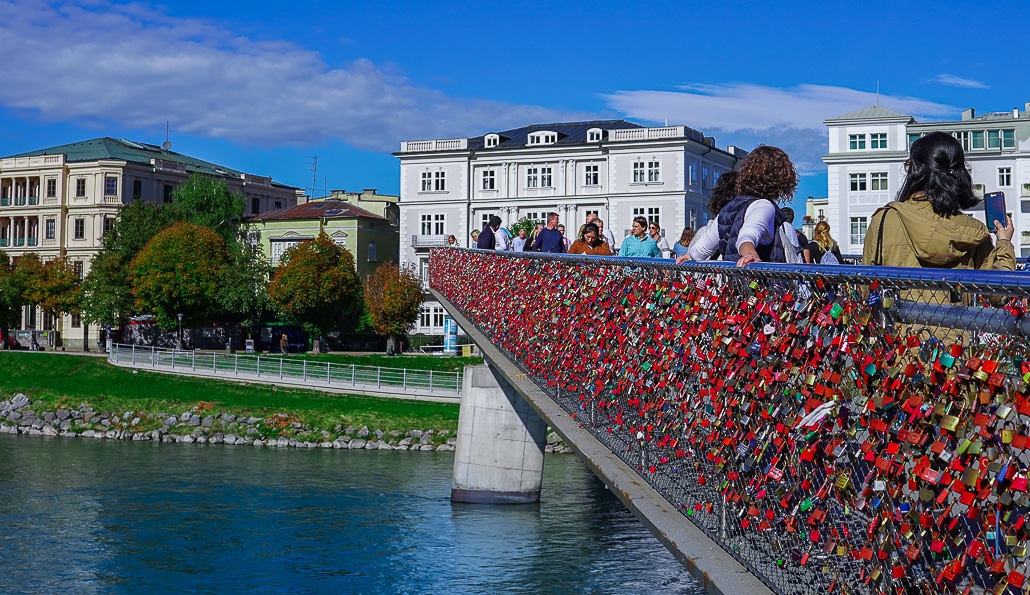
(838, 429)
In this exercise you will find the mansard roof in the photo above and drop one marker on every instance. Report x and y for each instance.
(99, 149)
(569, 133)
(874, 112)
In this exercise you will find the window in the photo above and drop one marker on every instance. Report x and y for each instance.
(489, 179)
(858, 182)
(167, 195)
(532, 177)
(371, 251)
(427, 225)
(592, 175)
(693, 174)
(438, 313)
(80, 187)
(137, 189)
(856, 142)
(427, 181)
(51, 229)
(978, 139)
(545, 177)
(692, 222)
(1004, 176)
(278, 205)
(108, 224)
(993, 139)
(878, 181)
(652, 214)
(77, 269)
(963, 137)
(110, 186)
(51, 188)
(424, 315)
(594, 135)
(878, 140)
(255, 205)
(76, 321)
(913, 137)
(638, 172)
(439, 181)
(654, 171)
(80, 229)
(491, 140)
(543, 138)
(821, 215)
(858, 229)
(423, 268)
(439, 223)
(704, 177)
(1008, 139)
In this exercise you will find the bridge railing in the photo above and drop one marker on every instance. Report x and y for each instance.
(292, 368)
(842, 429)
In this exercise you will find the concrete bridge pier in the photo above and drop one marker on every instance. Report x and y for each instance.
(499, 457)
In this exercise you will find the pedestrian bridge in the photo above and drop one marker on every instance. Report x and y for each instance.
(781, 428)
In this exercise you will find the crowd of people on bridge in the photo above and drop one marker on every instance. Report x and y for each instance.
(923, 227)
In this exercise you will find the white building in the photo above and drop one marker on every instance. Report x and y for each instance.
(868, 148)
(614, 168)
(59, 202)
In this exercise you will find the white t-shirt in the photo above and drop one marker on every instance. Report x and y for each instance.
(759, 221)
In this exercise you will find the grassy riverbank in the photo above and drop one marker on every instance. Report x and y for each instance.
(54, 381)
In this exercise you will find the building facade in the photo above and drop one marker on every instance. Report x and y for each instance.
(868, 149)
(371, 238)
(60, 201)
(613, 168)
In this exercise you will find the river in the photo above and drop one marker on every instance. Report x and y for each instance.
(90, 516)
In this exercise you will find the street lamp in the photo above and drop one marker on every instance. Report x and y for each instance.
(180, 331)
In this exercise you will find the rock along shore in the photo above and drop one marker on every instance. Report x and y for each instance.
(279, 430)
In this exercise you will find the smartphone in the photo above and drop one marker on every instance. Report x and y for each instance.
(994, 208)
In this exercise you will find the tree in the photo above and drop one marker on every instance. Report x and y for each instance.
(107, 290)
(11, 297)
(178, 272)
(243, 289)
(203, 200)
(393, 298)
(316, 285)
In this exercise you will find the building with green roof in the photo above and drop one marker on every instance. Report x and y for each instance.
(59, 202)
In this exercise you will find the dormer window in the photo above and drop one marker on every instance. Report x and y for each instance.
(594, 135)
(491, 140)
(544, 137)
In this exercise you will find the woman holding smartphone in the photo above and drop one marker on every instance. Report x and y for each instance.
(925, 225)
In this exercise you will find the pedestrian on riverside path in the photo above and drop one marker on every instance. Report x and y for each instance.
(284, 344)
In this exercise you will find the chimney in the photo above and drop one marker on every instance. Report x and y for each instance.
(1026, 107)
(968, 114)
(368, 190)
(1015, 112)
(709, 140)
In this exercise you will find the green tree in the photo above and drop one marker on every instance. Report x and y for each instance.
(317, 284)
(107, 289)
(393, 298)
(206, 201)
(57, 289)
(11, 296)
(179, 271)
(243, 292)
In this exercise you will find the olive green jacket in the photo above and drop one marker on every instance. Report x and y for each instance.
(915, 236)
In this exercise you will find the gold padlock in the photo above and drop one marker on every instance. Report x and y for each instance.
(950, 422)
(843, 480)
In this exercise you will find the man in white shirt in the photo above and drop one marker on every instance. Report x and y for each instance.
(519, 243)
(503, 239)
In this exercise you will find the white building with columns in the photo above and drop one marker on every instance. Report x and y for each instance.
(59, 202)
(868, 149)
(613, 168)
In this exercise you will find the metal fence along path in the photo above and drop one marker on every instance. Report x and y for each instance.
(289, 371)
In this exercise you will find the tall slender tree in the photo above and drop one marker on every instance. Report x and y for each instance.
(393, 298)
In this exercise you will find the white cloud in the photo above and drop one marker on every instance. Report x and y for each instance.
(746, 115)
(131, 65)
(957, 81)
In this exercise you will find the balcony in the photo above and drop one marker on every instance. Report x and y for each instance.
(450, 144)
(33, 241)
(33, 200)
(19, 201)
(19, 242)
(5, 201)
(648, 133)
(3, 242)
(111, 199)
(429, 241)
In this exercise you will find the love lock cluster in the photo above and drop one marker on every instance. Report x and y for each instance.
(830, 447)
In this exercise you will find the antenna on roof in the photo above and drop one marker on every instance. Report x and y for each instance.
(167, 145)
(877, 93)
(314, 174)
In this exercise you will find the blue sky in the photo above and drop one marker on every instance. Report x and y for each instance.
(262, 86)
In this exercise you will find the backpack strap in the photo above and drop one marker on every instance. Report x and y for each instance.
(879, 236)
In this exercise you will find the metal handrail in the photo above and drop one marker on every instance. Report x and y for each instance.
(307, 371)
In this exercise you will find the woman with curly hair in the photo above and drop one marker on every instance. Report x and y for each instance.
(925, 225)
(746, 229)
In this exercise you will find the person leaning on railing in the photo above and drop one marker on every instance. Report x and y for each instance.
(925, 225)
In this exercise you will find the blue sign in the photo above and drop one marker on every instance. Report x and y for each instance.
(450, 336)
